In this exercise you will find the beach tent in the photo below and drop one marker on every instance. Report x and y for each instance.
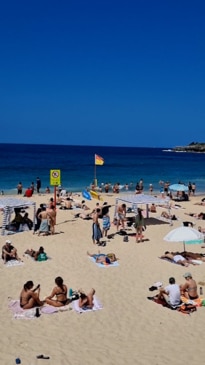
(7, 205)
(139, 199)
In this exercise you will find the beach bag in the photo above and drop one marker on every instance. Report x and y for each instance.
(42, 257)
(187, 308)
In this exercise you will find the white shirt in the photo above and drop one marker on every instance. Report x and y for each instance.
(173, 291)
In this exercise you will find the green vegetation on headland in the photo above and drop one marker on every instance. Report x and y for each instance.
(192, 147)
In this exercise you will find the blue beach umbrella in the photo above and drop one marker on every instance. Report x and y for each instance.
(178, 187)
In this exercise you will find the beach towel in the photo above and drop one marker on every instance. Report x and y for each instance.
(100, 264)
(20, 313)
(12, 263)
(169, 260)
(97, 306)
(186, 308)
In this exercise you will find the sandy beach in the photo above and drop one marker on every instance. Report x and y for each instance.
(129, 328)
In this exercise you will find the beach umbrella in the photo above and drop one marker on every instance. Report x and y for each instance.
(178, 187)
(184, 234)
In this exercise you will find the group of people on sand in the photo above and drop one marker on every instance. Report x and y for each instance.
(45, 219)
(172, 293)
(9, 252)
(30, 296)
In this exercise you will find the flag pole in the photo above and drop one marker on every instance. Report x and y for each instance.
(95, 178)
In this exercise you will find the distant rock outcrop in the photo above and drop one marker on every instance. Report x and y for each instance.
(192, 147)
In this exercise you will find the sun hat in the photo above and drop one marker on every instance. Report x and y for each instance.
(187, 275)
(8, 241)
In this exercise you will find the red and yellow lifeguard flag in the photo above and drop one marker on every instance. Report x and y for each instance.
(99, 160)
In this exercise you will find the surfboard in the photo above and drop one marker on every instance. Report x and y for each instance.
(86, 195)
(95, 195)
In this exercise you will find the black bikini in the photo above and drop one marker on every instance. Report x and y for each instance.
(64, 302)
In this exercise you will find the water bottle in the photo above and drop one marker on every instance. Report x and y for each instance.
(201, 290)
(70, 292)
(37, 312)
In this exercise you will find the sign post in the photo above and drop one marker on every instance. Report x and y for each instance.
(55, 180)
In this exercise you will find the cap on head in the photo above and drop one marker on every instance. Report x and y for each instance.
(187, 275)
(8, 242)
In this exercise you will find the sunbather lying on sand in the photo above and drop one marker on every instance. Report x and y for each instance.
(191, 255)
(86, 216)
(38, 255)
(102, 258)
(197, 216)
(178, 258)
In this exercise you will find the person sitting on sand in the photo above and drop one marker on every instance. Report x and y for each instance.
(171, 293)
(86, 300)
(9, 252)
(39, 255)
(27, 221)
(81, 205)
(179, 259)
(60, 292)
(29, 298)
(102, 258)
(18, 219)
(67, 204)
(153, 208)
(164, 214)
(189, 289)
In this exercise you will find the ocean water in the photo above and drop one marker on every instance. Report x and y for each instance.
(22, 162)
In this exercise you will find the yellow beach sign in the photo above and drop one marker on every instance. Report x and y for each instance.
(55, 177)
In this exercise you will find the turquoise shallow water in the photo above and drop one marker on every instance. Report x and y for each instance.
(121, 164)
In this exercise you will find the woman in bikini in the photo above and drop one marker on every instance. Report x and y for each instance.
(60, 292)
(29, 298)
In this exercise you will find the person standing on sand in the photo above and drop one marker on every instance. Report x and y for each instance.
(44, 217)
(52, 218)
(38, 185)
(139, 225)
(96, 231)
(19, 188)
(121, 215)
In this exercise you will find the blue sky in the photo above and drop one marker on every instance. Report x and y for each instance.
(102, 72)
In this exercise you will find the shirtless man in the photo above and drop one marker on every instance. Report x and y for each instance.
(121, 215)
(29, 297)
(52, 218)
(189, 289)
